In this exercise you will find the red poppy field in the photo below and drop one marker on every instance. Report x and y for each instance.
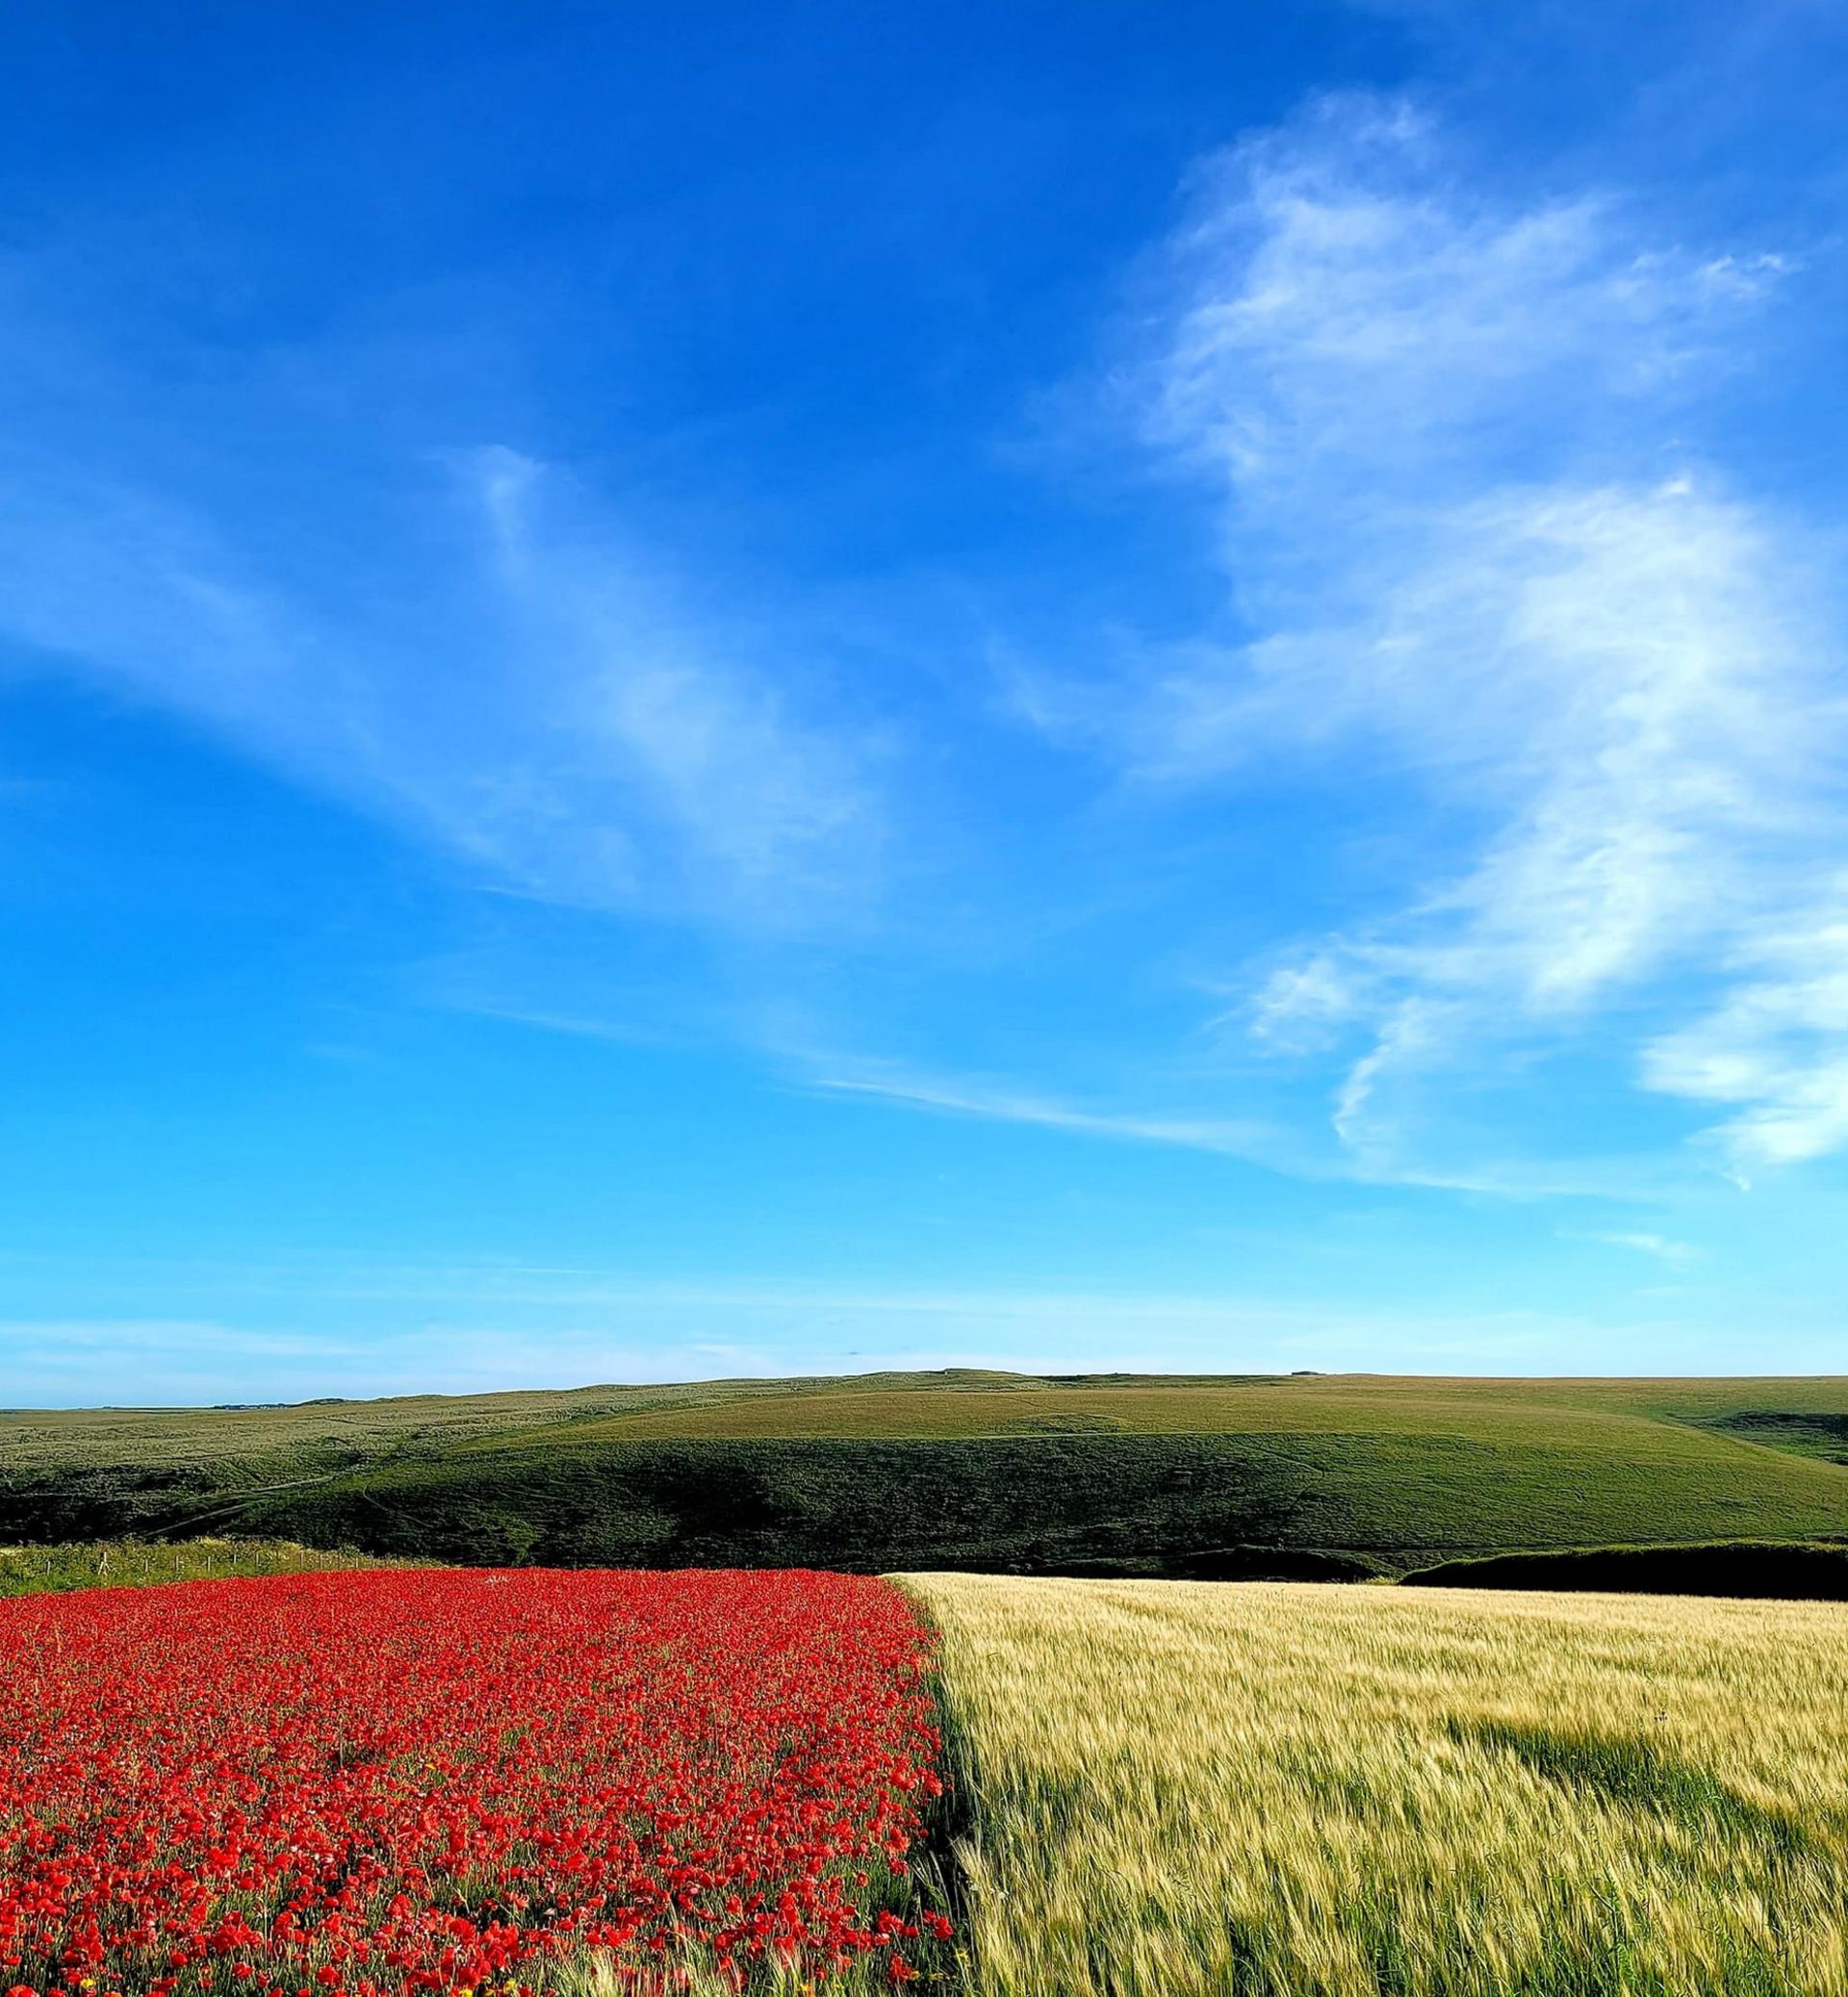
(462, 1781)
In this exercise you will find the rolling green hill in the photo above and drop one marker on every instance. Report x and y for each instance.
(1119, 1474)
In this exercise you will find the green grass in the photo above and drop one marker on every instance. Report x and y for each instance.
(57, 1570)
(1122, 1475)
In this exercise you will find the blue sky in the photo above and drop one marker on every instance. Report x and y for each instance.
(769, 690)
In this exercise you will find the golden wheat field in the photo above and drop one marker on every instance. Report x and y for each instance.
(1170, 1788)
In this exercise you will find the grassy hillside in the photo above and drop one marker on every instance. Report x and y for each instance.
(1794, 1413)
(1119, 1475)
(1803, 1414)
(1175, 1791)
(318, 1435)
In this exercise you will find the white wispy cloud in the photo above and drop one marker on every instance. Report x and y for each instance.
(762, 799)
(1672, 1254)
(537, 699)
(1338, 295)
(1642, 703)
(1001, 1104)
(618, 1031)
(1468, 544)
(1775, 1045)
(1271, 1143)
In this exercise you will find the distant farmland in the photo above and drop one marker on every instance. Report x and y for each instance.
(1315, 1475)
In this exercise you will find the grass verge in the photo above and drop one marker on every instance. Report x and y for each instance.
(56, 1570)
